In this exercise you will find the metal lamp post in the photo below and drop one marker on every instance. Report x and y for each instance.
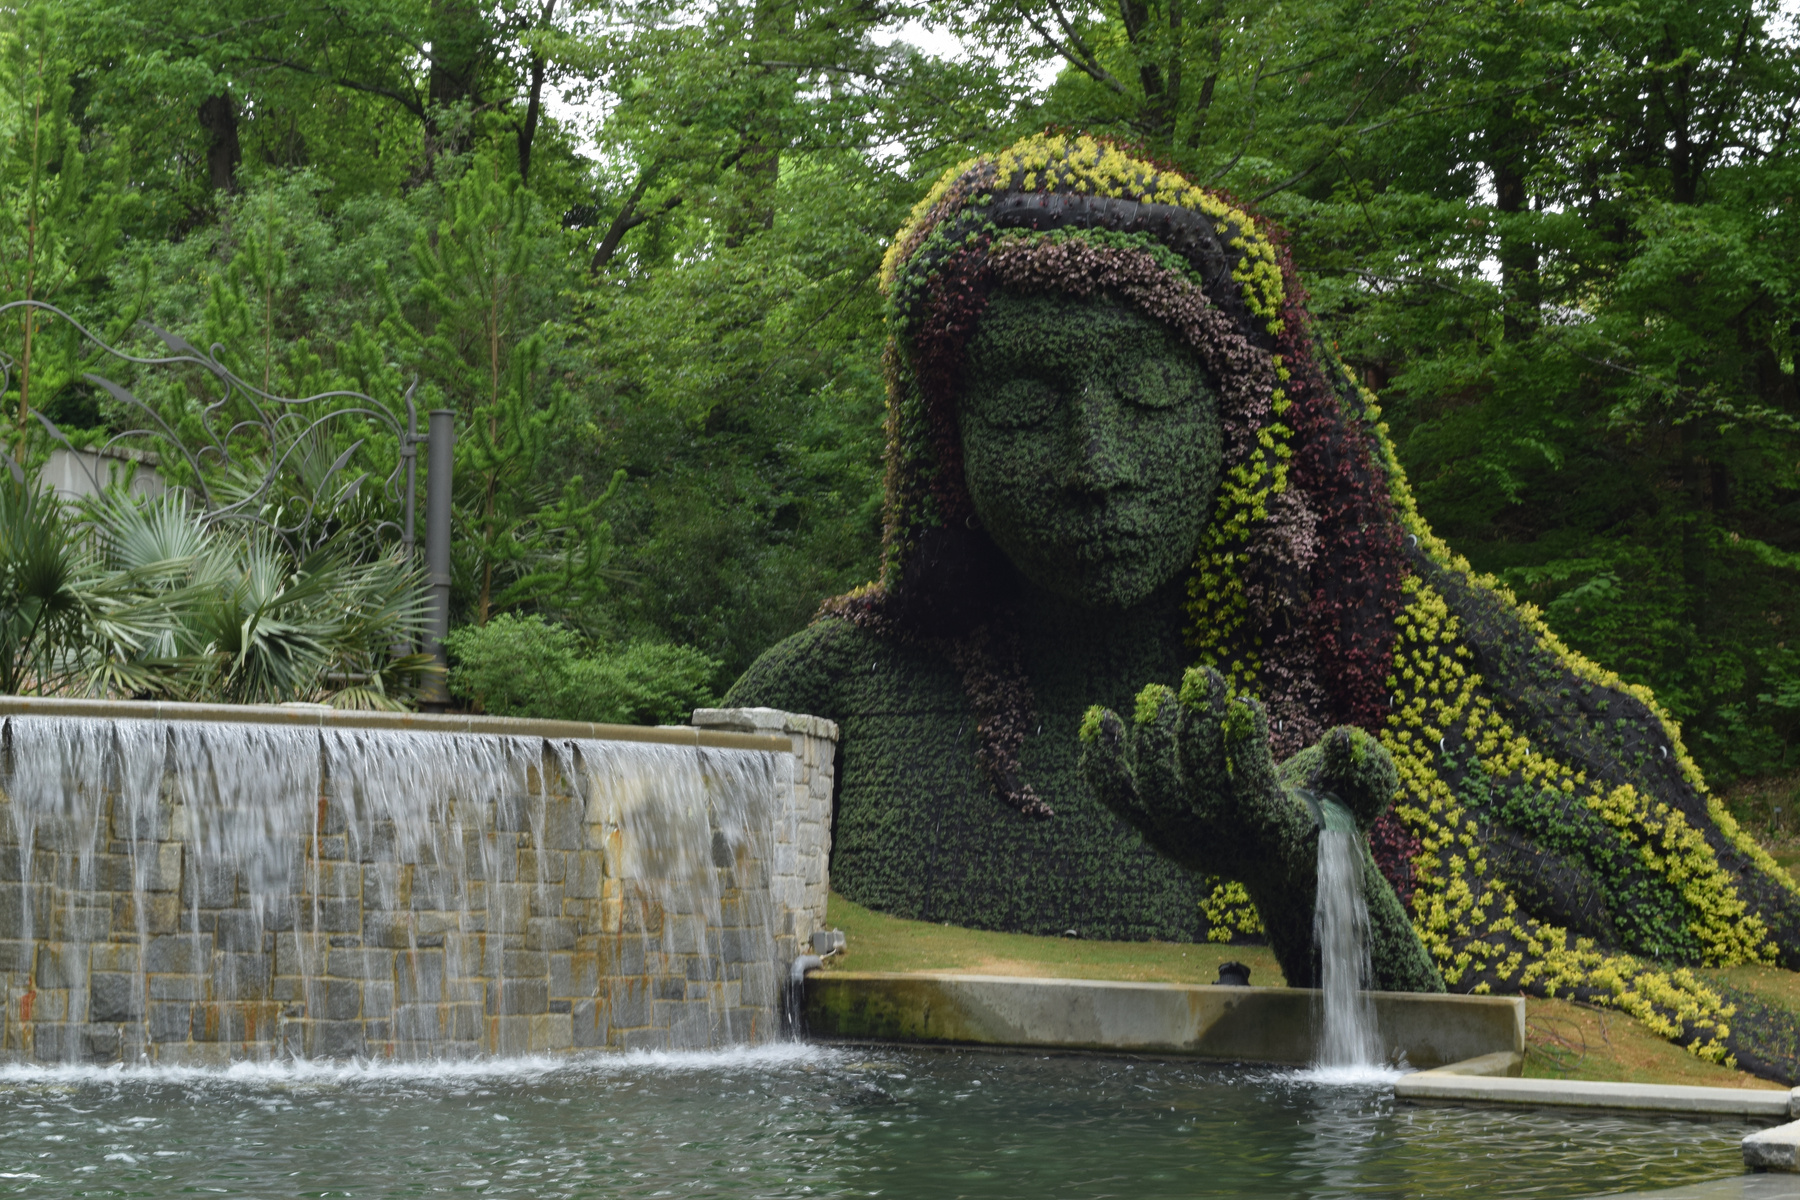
(440, 449)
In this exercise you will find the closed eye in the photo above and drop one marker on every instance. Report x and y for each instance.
(1018, 403)
(1160, 383)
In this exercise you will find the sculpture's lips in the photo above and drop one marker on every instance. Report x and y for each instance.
(1111, 549)
(1106, 540)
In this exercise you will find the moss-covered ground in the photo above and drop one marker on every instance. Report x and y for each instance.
(1564, 1040)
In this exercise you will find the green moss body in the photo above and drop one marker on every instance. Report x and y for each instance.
(920, 834)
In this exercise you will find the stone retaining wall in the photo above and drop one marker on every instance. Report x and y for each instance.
(527, 923)
(802, 864)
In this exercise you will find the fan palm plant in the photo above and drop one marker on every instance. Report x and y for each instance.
(69, 621)
(325, 627)
(138, 597)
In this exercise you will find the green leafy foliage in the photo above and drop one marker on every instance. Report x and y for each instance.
(61, 205)
(1558, 240)
(525, 667)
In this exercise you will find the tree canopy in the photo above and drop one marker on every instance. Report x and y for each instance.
(634, 245)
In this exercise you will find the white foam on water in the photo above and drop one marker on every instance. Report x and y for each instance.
(521, 1069)
(1360, 1075)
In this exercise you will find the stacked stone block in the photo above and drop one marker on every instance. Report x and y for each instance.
(802, 861)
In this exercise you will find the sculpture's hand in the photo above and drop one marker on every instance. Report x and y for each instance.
(1194, 773)
(1351, 767)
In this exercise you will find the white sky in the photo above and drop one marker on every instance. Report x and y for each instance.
(939, 43)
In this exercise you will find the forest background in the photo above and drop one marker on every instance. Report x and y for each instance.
(634, 247)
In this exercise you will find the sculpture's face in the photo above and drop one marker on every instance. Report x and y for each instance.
(1091, 444)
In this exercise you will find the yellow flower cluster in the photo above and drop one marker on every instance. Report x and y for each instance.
(1084, 166)
(1217, 609)
(1593, 673)
(890, 260)
(1406, 504)
(1229, 911)
(1051, 162)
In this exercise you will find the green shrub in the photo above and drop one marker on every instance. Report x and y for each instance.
(526, 667)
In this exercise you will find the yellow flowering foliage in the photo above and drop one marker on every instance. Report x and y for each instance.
(1229, 912)
(1585, 669)
(1468, 918)
(1217, 609)
(1089, 167)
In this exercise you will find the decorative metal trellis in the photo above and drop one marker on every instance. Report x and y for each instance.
(280, 427)
(244, 419)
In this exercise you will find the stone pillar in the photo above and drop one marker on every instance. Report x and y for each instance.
(800, 875)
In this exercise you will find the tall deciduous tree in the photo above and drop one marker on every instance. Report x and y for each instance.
(60, 209)
(481, 298)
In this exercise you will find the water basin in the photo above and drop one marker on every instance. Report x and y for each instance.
(787, 1120)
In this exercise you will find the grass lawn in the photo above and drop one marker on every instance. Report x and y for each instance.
(877, 942)
(1573, 1041)
(1563, 1040)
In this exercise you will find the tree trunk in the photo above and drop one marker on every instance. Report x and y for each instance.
(534, 103)
(759, 164)
(1519, 285)
(458, 39)
(218, 117)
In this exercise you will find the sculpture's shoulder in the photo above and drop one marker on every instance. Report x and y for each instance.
(803, 673)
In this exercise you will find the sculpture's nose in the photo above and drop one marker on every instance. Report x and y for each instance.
(1097, 456)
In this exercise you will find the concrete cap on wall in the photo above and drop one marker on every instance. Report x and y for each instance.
(765, 720)
(324, 717)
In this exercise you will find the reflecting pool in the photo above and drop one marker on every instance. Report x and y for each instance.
(793, 1121)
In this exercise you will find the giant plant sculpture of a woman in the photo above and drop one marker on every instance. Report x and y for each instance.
(1123, 477)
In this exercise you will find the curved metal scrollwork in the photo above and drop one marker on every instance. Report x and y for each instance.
(287, 426)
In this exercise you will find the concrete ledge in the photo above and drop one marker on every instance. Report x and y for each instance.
(1510, 1063)
(1244, 1024)
(1776, 1149)
(1735, 1187)
(1439, 1086)
(331, 718)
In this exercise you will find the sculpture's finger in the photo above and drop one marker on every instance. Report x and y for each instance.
(1203, 688)
(1106, 764)
(1202, 734)
(1247, 754)
(1161, 789)
(1358, 770)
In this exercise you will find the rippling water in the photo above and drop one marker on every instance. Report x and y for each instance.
(792, 1121)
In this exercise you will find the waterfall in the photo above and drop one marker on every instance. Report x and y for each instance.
(192, 891)
(1341, 928)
